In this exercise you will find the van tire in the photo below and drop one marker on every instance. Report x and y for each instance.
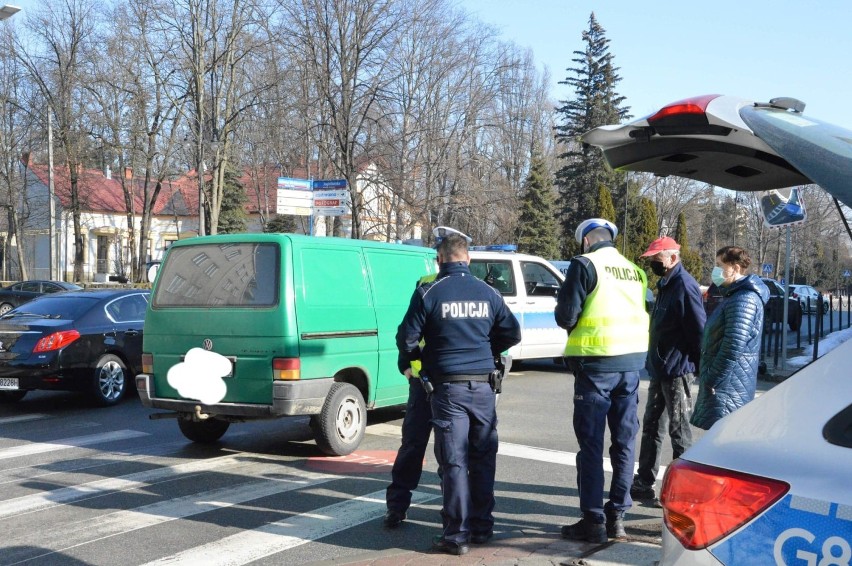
(203, 432)
(339, 428)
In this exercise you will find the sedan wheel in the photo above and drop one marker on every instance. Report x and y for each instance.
(110, 381)
(5, 307)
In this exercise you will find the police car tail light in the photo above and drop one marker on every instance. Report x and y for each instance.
(685, 117)
(703, 504)
(55, 341)
(288, 369)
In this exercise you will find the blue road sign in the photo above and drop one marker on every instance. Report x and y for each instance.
(294, 184)
(323, 184)
(767, 268)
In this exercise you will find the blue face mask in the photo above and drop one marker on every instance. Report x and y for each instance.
(717, 276)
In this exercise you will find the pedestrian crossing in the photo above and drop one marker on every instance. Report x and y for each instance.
(84, 499)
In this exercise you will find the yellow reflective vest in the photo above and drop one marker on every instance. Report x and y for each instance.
(417, 365)
(614, 320)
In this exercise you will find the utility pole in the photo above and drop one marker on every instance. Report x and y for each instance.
(51, 190)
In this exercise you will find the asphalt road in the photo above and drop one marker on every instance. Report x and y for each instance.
(80, 485)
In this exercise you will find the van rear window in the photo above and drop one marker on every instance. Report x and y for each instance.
(219, 275)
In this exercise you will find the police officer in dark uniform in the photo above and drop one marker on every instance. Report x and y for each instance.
(416, 427)
(466, 325)
(602, 306)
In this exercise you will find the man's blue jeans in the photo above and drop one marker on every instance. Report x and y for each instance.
(602, 399)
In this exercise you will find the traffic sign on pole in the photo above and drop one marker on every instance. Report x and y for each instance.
(323, 184)
(294, 197)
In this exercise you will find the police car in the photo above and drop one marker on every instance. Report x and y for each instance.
(770, 483)
(529, 285)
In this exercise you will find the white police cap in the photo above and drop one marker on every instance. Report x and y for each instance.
(441, 232)
(587, 226)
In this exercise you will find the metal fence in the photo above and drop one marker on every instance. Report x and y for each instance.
(816, 323)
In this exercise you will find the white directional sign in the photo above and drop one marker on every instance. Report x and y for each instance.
(331, 203)
(294, 197)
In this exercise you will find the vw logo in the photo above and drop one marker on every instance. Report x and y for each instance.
(208, 344)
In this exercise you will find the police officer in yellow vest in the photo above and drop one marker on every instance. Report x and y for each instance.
(602, 306)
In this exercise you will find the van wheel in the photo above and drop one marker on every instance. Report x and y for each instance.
(12, 396)
(339, 428)
(203, 432)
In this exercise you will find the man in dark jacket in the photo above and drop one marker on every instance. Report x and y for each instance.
(465, 325)
(677, 324)
(416, 426)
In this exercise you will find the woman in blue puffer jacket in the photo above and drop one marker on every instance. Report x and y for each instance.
(730, 347)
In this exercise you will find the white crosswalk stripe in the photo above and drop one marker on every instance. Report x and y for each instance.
(269, 539)
(67, 443)
(23, 418)
(99, 488)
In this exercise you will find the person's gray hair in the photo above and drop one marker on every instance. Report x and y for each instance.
(599, 234)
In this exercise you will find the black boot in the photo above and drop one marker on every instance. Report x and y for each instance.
(585, 530)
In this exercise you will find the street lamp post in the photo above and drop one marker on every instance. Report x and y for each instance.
(8, 11)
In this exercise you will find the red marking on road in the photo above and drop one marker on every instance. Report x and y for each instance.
(361, 462)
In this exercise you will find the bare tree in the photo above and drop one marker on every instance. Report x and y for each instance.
(348, 47)
(60, 32)
(137, 112)
(17, 125)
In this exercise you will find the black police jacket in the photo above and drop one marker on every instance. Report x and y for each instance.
(464, 322)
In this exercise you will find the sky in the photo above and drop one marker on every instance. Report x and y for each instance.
(670, 50)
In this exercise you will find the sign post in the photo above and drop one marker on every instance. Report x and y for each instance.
(306, 197)
(780, 211)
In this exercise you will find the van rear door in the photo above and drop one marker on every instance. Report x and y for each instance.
(223, 295)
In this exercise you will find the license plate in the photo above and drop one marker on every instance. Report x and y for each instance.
(8, 383)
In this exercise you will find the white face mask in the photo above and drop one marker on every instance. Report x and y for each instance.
(717, 276)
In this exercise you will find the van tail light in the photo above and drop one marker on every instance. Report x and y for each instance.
(288, 369)
(703, 504)
(55, 341)
(147, 363)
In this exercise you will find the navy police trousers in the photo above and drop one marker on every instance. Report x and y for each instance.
(408, 465)
(601, 399)
(465, 422)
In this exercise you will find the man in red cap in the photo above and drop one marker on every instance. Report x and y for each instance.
(677, 324)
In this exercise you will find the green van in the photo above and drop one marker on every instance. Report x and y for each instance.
(258, 326)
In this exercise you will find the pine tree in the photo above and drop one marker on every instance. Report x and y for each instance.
(537, 223)
(642, 230)
(596, 103)
(691, 259)
(606, 208)
(232, 215)
(280, 223)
